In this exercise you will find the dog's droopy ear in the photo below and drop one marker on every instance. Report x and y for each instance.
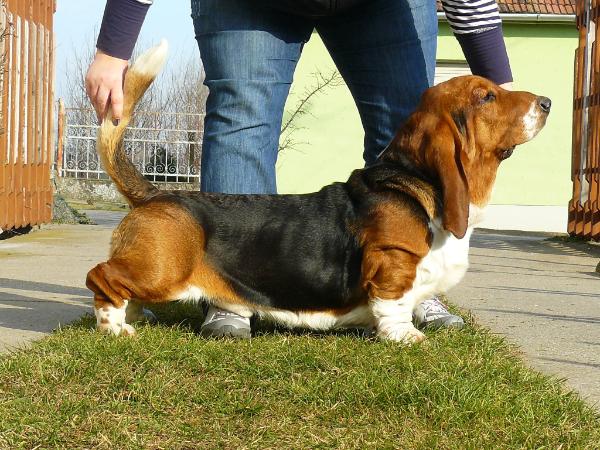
(437, 145)
(447, 156)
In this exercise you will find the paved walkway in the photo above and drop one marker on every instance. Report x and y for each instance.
(544, 295)
(42, 277)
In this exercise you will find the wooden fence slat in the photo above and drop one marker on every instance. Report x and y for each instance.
(35, 206)
(50, 60)
(13, 137)
(27, 107)
(584, 207)
(28, 136)
(21, 152)
(594, 228)
(585, 225)
(576, 140)
(4, 49)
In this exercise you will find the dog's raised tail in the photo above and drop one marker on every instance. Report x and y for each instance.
(117, 165)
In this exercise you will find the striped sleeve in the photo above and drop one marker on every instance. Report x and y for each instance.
(478, 28)
(471, 16)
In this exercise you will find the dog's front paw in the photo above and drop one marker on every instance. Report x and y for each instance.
(405, 334)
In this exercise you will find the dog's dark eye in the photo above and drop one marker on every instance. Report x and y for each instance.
(506, 153)
(490, 97)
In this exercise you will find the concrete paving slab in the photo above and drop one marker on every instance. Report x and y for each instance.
(544, 295)
(42, 278)
(552, 219)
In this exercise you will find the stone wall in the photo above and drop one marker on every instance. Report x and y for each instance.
(104, 190)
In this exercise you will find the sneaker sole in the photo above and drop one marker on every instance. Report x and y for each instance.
(452, 322)
(226, 331)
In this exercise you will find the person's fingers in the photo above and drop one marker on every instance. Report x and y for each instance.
(116, 102)
(89, 90)
(91, 93)
(103, 97)
(104, 85)
(101, 102)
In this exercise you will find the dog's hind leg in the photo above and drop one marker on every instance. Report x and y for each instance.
(137, 313)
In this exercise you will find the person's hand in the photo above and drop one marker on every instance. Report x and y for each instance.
(104, 85)
(508, 86)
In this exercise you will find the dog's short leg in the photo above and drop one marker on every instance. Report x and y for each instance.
(111, 299)
(389, 275)
(393, 319)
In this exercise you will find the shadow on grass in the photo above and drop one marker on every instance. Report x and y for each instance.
(190, 317)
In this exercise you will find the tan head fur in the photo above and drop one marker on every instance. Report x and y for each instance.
(459, 134)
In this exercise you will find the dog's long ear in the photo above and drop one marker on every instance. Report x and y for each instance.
(449, 155)
(436, 144)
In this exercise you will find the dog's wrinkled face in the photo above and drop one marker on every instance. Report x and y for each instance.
(489, 118)
(459, 134)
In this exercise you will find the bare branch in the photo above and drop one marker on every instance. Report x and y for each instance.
(166, 132)
(5, 31)
(289, 127)
(178, 89)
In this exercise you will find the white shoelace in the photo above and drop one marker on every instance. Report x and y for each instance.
(215, 314)
(435, 307)
(222, 314)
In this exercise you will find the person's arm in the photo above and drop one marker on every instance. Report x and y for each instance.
(119, 31)
(478, 28)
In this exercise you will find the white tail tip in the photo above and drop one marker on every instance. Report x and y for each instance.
(151, 61)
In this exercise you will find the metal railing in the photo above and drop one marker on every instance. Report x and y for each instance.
(26, 119)
(165, 147)
(584, 207)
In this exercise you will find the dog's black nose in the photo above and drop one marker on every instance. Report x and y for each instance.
(545, 103)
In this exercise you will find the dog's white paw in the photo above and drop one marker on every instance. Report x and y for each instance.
(127, 330)
(405, 334)
(114, 329)
(111, 320)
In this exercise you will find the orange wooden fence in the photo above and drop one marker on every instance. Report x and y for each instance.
(26, 103)
(584, 207)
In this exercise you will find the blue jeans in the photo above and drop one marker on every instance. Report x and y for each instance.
(384, 50)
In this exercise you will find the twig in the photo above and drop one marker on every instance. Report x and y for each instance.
(289, 127)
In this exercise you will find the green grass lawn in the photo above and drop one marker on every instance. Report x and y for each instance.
(169, 388)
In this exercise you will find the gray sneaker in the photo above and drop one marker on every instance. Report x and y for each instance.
(433, 315)
(221, 323)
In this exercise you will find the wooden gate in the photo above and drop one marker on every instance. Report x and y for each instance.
(584, 207)
(26, 107)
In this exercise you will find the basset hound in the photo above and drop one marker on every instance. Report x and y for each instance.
(360, 253)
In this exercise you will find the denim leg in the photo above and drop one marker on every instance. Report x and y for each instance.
(249, 56)
(385, 50)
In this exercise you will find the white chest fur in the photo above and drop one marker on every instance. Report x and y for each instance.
(445, 264)
(448, 259)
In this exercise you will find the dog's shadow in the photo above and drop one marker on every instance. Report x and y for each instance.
(191, 316)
